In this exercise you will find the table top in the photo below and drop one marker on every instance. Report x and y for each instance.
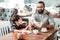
(39, 36)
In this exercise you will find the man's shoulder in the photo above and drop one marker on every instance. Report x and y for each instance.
(47, 13)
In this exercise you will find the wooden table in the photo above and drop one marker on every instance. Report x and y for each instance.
(40, 36)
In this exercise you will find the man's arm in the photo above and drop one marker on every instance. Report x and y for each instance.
(51, 21)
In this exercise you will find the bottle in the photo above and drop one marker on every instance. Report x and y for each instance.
(23, 36)
(19, 36)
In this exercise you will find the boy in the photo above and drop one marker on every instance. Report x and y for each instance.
(17, 24)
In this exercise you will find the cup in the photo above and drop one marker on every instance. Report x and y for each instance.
(15, 35)
(23, 36)
(44, 30)
(35, 31)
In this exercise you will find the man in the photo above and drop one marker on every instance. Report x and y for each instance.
(42, 17)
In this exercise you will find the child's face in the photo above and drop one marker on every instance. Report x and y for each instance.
(19, 21)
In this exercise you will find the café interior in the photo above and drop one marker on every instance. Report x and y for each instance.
(25, 9)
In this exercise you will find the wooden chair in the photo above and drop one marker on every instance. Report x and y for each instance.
(4, 28)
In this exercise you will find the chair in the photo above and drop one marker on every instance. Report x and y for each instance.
(57, 26)
(4, 28)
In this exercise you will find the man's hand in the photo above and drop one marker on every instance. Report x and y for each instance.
(33, 25)
(49, 26)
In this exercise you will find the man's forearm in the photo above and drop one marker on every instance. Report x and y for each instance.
(49, 26)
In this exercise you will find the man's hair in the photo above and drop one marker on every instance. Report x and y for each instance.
(16, 18)
(42, 3)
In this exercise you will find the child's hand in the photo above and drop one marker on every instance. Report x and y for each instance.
(26, 27)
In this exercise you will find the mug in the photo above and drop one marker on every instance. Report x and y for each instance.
(44, 30)
(35, 31)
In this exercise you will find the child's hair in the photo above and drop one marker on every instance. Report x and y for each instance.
(15, 18)
(15, 11)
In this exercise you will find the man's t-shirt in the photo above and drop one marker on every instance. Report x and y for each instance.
(40, 19)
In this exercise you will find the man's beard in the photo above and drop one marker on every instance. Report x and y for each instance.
(40, 12)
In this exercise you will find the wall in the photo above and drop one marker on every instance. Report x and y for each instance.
(12, 3)
(48, 2)
(27, 1)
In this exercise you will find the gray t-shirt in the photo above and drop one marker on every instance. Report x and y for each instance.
(43, 18)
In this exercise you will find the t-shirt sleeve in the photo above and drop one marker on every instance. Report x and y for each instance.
(12, 28)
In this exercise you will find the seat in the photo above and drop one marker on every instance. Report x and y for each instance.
(4, 28)
(57, 25)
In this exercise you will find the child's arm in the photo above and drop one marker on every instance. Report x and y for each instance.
(15, 30)
(27, 27)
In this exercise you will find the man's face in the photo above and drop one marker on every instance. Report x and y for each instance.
(40, 7)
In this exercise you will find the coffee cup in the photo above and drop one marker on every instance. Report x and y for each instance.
(35, 31)
(44, 30)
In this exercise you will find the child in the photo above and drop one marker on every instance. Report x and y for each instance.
(17, 23)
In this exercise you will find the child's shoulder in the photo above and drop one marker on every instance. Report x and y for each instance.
(13, 25)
